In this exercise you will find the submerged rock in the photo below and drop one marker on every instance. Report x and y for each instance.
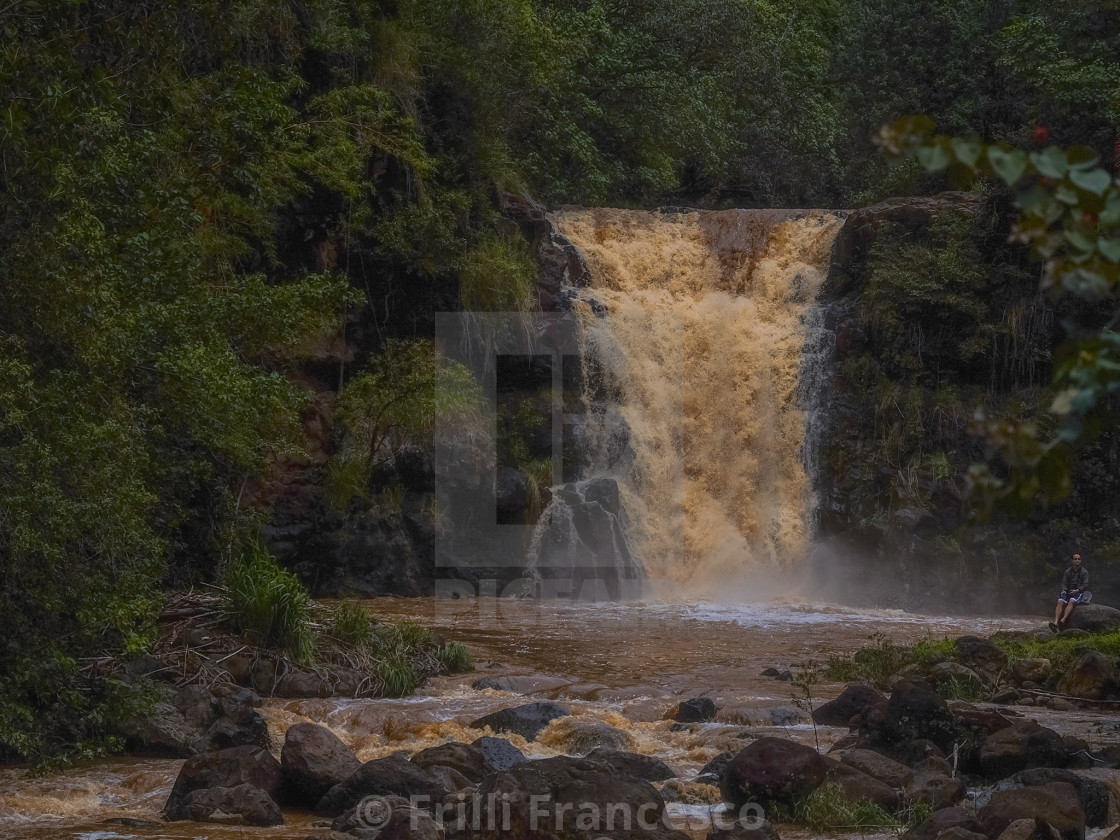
(696, 710)
(527, 721)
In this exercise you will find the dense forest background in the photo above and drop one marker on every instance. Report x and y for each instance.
(208, 210)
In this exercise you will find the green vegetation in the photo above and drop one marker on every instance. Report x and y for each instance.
(828, 808)
(199, 200)
(269, 605)
(878, 663)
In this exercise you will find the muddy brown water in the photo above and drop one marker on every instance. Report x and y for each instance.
(622, 664)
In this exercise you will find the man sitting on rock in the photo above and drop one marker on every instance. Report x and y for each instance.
(1075, 590)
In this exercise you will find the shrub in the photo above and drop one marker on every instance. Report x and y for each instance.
(829, 809)
(351, 624)
(395, 676)
(456, 658)
(269, 604)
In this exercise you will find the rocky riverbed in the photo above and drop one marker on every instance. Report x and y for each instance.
(643, 704)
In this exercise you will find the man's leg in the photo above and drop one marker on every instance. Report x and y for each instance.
(1069, 610)
(1058, 611)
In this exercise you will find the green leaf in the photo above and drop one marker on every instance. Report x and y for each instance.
(1110, 248)
(1082, 157)
(1050, 162)
(967, 151)
(1111, 213)
(933, 158)
(1009, 166)
(1095, 181)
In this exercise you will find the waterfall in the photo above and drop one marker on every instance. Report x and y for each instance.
(693, 331)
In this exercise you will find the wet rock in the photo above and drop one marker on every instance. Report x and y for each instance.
(579, 737)
(1095, 795)
(696, 710)
(1005, 697)
(526, 721)
(784, 674)
(981, 655)
(228, 768)
(886, 770)
(1055, 803)
(858, 786)
(933, 783)
(303, 684)
(394, 775)
(498, 754)
(947, 672)
(980, 721)
(448, 778)
(773, 770)
(393, 818)
(915, 711)
(745, 830)
(196, 719)
(851, 703)
(313, 761)
(581, 802)
(1092, 677)
(634, 765)
(242, 804)
(1033, 669)
(467, 759)
(710, 773)
(786, 716)
(520, 683)
(1022, 746)
(1029, 830)
(944, 820)
(1095, 618)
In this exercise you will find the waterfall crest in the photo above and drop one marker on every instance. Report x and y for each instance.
(693, 328)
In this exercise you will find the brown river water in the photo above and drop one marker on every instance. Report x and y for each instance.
(625, 664)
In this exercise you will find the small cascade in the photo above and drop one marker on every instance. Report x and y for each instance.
(698, 334)
(579, 548)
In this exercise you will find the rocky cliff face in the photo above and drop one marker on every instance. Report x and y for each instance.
(932, 314)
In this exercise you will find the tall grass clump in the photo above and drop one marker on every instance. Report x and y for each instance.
(268, 604)
(828, 809)
(455, 658)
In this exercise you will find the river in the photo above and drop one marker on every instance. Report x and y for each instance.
(625, 664)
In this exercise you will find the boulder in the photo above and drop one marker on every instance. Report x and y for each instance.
(229, 768)
(944, 820)
(1095, 795)
(577, 736)
(786, 716)
(633, 765)
(1055, 803)
(467, 759)
(886, 770)
(851, 703)
(934, 784)
(448, 778)
(696, 710)
(195, 719)
(982, 722)
(520, 683)
(744, 830)
(1021, 746)
(981, 656)
(915, 711)
(242, 804)
(947, 672)
(773, 770)
(710, 773)
(1095, 618)
(527, 721)
(498, 754)
(313, 761)
(1033, 669)
(1092, 677)
(582, 799)
(391, 818)
(858, 786)
(390, 776)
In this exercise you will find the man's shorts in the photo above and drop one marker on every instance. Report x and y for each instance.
(1084, 598)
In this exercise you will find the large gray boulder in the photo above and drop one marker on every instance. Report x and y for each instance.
(230, 768)
(773, 770)
(390, 776)
(1095, 618)
(1055, 803)
(313, 761)
(527, 721)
